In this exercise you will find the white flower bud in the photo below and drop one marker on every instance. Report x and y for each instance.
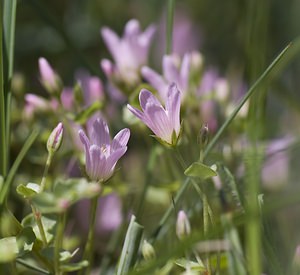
(183, 227)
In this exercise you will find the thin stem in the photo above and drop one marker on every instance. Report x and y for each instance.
(89, 247)
(3, 143)
(59, 241)
(170, 20)
(48, 163)
(38, 218)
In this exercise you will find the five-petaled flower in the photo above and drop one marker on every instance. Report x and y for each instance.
(164, 122)
(102, 153)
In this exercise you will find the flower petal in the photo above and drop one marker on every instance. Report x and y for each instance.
(173, 107)
(156, 81)
(100, 133)
(111, 162)
(185, 72)
(120, 140)
(86, 143)
(98, 163)
(111, 40)
(147, 98)
(159, 123)
(139, 114)
(171, 72)
(132, 29)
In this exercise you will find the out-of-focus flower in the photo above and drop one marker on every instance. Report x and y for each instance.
(49, 77)
(129, 52)
(183, 227)
(109, 214)
(173, 71)
(102, 154)
(275, 169)
(91, 85)
(55, 138)
(35, 103)
(164, 122)
(148, 251)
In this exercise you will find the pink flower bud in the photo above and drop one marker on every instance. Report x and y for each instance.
(183, 227)
(55, 138)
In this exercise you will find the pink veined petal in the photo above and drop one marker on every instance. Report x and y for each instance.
(173, 107)
(139, 114)
(111, 40)
(98, 163)
(155, 80)
(120, 140)
(147, 98)
(86, 143)
(111, 162)
(100, 133)
(185, 72)
(159, 123)
(171, 72)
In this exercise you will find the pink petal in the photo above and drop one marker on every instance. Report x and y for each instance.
(120, 140)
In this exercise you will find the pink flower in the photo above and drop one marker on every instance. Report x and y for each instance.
(129, 52)
(101, 153)
(164, 122)
(173, 71)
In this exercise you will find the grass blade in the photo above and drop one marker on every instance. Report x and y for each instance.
(15, 166)
(130, 247)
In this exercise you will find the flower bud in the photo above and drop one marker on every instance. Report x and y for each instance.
(148, 251)
(183, 227)
(203, 136)
(55, 138)
(49, 78)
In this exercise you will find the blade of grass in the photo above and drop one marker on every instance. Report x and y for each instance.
(3, 147)
(130, 247)
(170, 20)
(9, 19)
(5, 188)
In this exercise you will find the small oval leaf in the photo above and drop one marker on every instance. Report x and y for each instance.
(199, 170)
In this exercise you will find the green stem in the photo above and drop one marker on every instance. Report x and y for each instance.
(59, 241)
(38, 218)
(170, 20)
(3, 142)
(48, 163)
(89, 247)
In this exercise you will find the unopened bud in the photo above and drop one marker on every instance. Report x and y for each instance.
(183, 227)
(55, 138)
(49, 78)
(148, 251)
(203, 136)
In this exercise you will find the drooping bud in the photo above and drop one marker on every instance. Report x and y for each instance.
(183, 227)
(148, 251)
(55, 138)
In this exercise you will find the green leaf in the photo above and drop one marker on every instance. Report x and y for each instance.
(195, 266)
(83, 116)
(74, 266)
(48, 224)
(130, 247)
(199, 170)
(28, 191)
(8, 249)
(25, 240)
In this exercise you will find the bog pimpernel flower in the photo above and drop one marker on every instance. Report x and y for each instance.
(164, 122)
(102, 153)
(129, 52)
